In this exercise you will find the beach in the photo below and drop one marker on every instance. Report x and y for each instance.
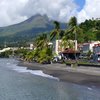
(89, 76)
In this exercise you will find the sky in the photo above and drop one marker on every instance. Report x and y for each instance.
(15, 11)
(80, 3)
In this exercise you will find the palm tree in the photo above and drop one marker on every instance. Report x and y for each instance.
(70, 34)
(41, 41)
(57, 32)
(74, 31)
(43, 52)
(29, 56)
(66, 43)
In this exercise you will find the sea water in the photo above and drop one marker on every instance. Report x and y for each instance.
(18, 83)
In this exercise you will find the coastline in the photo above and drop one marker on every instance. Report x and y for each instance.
(80, 75)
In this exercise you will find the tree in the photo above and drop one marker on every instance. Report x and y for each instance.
(98, 35)
(91, 30)
(42, 52)
(97, 29)
(66, 43)
(45, 55)
(74, 31)
(41, 41)
(57, 32)
(29, 56)
(89, 35)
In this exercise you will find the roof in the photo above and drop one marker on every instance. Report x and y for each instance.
(70, 51)
(97, 45)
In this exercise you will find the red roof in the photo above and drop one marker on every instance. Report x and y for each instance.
(70, 51)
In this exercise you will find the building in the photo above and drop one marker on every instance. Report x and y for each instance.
(31, 46)
(58, 47)
(96, 52)
(96, 48)
(69, 51)
(89, 46)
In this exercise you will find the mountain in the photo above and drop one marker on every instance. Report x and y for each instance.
(27, 30)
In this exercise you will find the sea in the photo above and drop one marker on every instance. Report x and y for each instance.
(18, 83)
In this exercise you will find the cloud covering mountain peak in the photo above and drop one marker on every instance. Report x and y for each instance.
(15, 11)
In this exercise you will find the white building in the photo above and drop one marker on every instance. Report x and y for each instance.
(96, 48)
(96, 52)
(31, 46)
(58, 48)
(89, 46)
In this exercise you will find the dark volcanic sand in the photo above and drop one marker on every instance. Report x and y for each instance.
(60, 71)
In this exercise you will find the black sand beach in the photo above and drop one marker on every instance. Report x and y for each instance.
(81, 75)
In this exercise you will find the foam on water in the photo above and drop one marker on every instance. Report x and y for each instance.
(89, 88)
(34, 72)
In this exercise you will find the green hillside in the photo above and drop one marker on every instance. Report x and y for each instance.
(26, 30)
(37, 21)
(91, 30)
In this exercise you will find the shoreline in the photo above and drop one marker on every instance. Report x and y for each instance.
(81, 75)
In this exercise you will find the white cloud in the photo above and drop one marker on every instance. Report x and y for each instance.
(55, 9)
(91, 9)
(14, 11)
(10, 11)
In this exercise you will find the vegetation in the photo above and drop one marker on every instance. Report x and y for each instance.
(42, 52)
(6, 54)
(91, 30)
(27, 30)
(57, 33)
(84, 32)
(73, 32)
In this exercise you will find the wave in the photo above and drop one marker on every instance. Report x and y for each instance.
(34, 72)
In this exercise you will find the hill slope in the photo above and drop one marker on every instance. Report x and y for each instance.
(26, 30)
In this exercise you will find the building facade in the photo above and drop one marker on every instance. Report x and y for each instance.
(96, 48)
(89, 46)
(58, 47)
